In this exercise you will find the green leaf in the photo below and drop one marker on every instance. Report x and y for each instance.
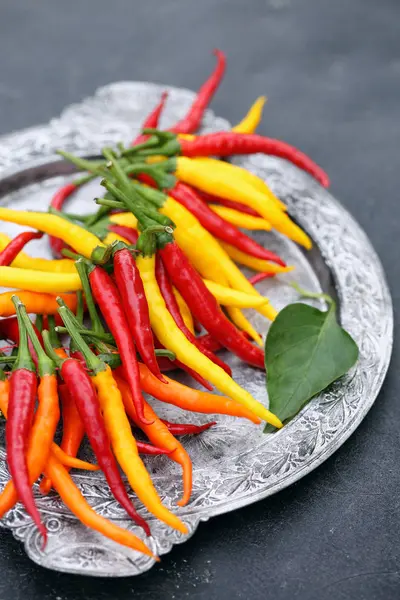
(305, 351)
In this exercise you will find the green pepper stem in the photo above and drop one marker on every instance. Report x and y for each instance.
(110, 203)
(50, 350)
(79, 306)
(39, 322)
(94, 167)
(24, 359)
(317, 295)
(7, 359)
(97, 216)
(85, 179)
(94, 316)
(92, 361)
(150, 143)
(166, 353)
(46, 365)
(70, 254)
(54, 340)
(104, 337)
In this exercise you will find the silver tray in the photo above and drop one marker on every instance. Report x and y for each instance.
(235, 464)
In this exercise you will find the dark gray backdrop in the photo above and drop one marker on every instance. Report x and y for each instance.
(331, 69)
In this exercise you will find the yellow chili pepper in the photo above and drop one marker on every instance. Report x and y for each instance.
(184, 310)
(39, 281)
(81, 240)
(125, 448)
(172, 338)
(241, 219)
(251, 121)
(217, 177)
(230, 297)
(244, 324)
(257, 264)
(126, 218)
(24, 261)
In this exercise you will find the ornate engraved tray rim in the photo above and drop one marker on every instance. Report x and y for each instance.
(113, 114)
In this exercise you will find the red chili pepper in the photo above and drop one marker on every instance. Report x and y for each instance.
(126, 232)
(170, 365)
(150, 450)
(216, 225)
(211, 199)
(226, 143)
(15, 246)
(187, 429)
(165, 286)
(9, 330)
(212, 344)
(191, 122)
(110, 303)
(205, 308)
(57, 202)
(152, 119)
(23, 387)
(82, 390)
(134, 302)
(259, 277)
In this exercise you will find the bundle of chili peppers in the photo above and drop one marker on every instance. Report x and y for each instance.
(133, 284)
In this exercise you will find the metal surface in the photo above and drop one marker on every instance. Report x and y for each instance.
(234, 464)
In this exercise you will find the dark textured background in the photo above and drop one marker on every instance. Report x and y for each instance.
(331, 69)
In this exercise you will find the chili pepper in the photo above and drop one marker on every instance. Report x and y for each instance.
(119, 431)
(237, 218)
(219, 226)
(191, 122)
(229, 297)
(57, 202)
(204, 306)
(152, 119)
(110, 303)
(213, 175)
(184, 310)
(82, 391)
(24, 261)
(46, 418)
(38, 281)
(250, 122)
(149, 449)
(260, 277)
(193, 400)
(167, 293)
(243, 324)
(211, 199)
(70, 462)
(131, 235)
(134, 302)
(159, 434)
(186, 428)
(170, 335)
(81, 240)
(9, 253)
(23, 386)
(226, 143)
(74, 500)
(168, 365)
(254, 263)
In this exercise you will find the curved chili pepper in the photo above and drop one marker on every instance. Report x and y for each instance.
(109, 300)
(218, 226)
(159, 434)
(170, 301)
(152, 119)
(57, 202)
(170, 365)
(134, 302)
(187, 428)
(211, 199)
(204, 306)
(74, 500)
(23, 387)
(190, 399)
(151, 450)
(131, 235)
(192, 120)
(228, 143)
(260, 277)
(15, 246)
(35, 302)
(83, 393)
